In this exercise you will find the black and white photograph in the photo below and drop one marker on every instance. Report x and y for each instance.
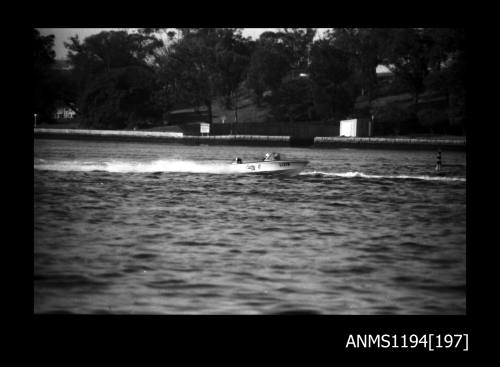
(249, 171)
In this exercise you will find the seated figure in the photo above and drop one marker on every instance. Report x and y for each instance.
(272, 157)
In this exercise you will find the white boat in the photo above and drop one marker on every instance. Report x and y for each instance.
(271, 164)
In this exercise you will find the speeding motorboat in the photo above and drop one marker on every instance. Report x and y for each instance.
(272, 163)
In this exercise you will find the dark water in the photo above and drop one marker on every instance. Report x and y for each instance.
(151, 228)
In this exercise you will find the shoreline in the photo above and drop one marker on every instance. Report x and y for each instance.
(253, 140)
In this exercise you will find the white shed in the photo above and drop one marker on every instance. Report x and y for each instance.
(356, 127)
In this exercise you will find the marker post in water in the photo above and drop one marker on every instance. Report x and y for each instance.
(438, 160)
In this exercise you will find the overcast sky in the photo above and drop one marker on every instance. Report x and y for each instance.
(63, 34)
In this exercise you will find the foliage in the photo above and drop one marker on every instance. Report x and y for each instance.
(407, 53)
(432, 118)
(448, 70)
(393, 118)
(121, 79)
(114, 74)
(190, 67)
(332, 75)
(364, 47)
(293, 101)
(267, 68)
(119, 99)
(277, 55)
(206, 63)
(43, 91)
(232, 56)
(297, 43)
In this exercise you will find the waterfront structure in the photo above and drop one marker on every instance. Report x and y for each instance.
(356, 127)
(64, 113)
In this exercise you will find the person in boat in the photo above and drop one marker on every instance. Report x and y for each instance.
(272, 157)
(238, 160)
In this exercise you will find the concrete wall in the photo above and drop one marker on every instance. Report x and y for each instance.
(389, 143)
(258, 140)
(296, 129)
(164, 137)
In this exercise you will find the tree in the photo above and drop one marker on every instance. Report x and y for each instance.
(65, 89)
(43, 61)
(276, 55)
(120, 98)
(267, 67)
(206, 63)
(192, 64)
(232, 59)
(107, 50)
(293, 101)
(364, 47)
(407, 54)
(115, 74)
(448, 70)
(331, 74)
(297, 43)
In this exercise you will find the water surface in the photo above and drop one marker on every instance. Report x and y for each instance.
(156, 228)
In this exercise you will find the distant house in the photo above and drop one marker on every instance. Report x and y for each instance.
(383, 71)
(64, 113)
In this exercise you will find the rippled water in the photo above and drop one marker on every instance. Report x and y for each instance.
(154, 228)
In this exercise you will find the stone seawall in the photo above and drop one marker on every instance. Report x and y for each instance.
(258, 140)
(163, 137)
(390, 143)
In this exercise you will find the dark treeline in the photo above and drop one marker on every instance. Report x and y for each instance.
(120, 80)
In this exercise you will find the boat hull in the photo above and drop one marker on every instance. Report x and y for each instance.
(270, 167)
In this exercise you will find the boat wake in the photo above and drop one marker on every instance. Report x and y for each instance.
(364, 175)
(135, 167)
(186, 166)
